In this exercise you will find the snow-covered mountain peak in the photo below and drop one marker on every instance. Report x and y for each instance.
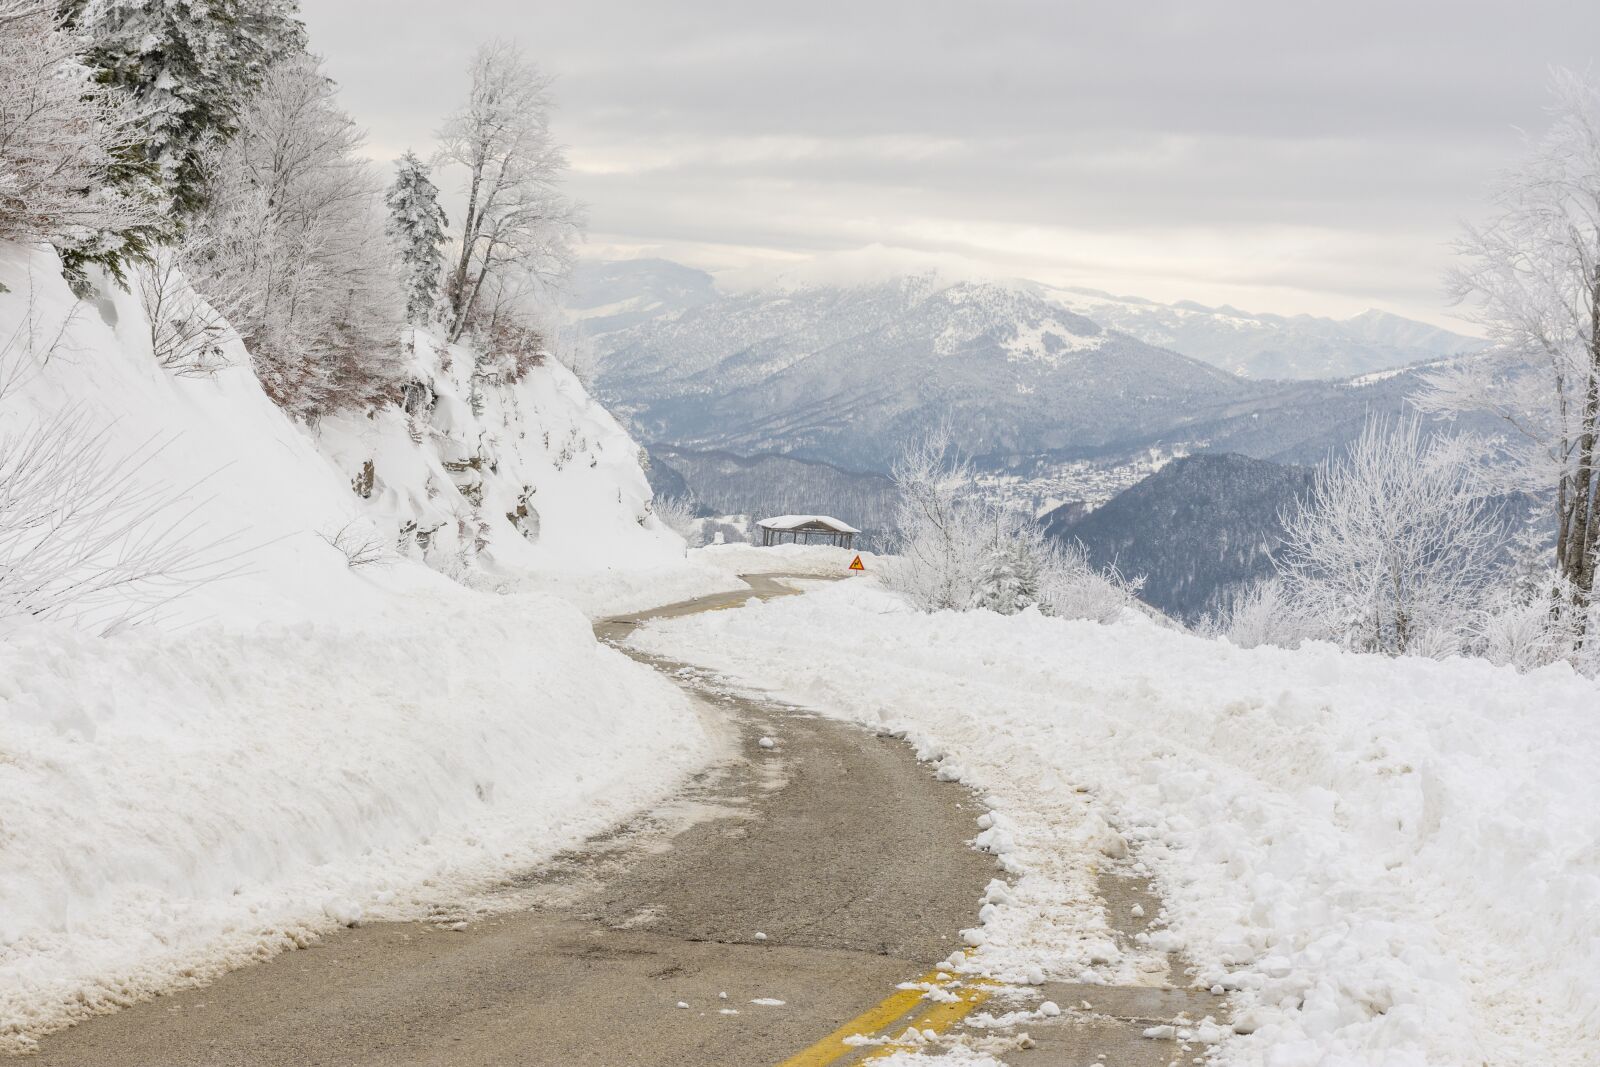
(1265, 345)
(615, 296)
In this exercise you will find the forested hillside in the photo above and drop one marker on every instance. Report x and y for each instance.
(1197, 530)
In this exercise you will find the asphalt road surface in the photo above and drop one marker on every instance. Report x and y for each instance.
(764, 915)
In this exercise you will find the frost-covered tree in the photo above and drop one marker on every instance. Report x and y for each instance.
(516, 220)
(63, 146)
(940, 527)
(677, 513)
(1526, 618)
(1531, 277)
(416, 227)
(293, 234)
(1396, 542)
(954, 551)
(1261, 613)
(190, 65)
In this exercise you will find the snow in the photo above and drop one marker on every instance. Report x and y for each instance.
(1385, 862)
(618, 589)
(954, 1057)
(819, 561)
(1049, 342)
(536, 470)
(300, 745)
(177, 806)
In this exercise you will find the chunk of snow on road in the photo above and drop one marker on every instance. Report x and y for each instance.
(343, 911)
(956, 1056)
(768, 1002)
(766, 742)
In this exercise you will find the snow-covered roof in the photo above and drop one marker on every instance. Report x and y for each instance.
(794, 522)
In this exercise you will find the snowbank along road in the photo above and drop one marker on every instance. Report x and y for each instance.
(792, 907)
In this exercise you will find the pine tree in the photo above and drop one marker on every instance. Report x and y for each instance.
(416, 226)
(1009, 582)
(190, 65)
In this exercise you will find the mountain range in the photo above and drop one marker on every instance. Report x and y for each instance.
(1020, 372)
(1253, 345)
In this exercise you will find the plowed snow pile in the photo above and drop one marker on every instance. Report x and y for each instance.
(172, 807)
(1388, 862)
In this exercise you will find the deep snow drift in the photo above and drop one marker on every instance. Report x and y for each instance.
(298, 741)
(1390, 862)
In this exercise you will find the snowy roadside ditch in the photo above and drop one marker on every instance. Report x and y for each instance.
(1384, 862)
(179, 804)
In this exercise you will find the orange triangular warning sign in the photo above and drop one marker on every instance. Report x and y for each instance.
(857, 565)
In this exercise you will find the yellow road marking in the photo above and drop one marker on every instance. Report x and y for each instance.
(940, 1017)
(876, 1019)
(872, 1020)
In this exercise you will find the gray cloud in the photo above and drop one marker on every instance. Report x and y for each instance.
(1278, 156)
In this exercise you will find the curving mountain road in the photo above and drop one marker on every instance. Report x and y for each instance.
(766, 913)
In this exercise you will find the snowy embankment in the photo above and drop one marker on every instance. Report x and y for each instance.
(174, 806)
(1388, 861)
(325, 725)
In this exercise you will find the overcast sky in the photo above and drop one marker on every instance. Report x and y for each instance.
(1280, 156)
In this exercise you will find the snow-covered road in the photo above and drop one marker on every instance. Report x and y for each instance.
(1388, 862)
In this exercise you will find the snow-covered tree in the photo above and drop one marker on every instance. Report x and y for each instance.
(1527, 617)
(940, 527)
(1010, 578)
(1395, 543)
(1261, 613)
(677, 513)
(190, 65)
(516, 221)
(1531, 277)
(416, 226)
(63, 143)
(293, 234)
(954, 551)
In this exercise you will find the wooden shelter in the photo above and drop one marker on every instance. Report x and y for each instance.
(807, 530)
